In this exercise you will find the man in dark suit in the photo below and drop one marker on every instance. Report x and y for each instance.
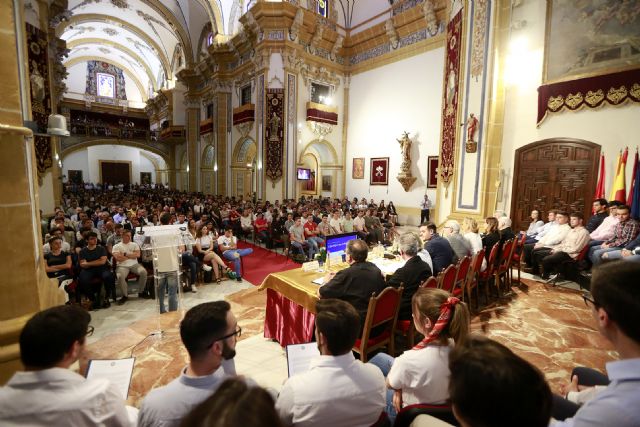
(356, 283)
(414, 272)
(437, 246)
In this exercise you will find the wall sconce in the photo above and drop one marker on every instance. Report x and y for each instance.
(187, 169)
(215, 167)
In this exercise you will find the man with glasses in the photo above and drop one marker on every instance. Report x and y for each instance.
(48, 392)
(615, 305)
(209, 331)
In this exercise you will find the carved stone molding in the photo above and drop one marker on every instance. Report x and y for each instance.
(336, 47)
(406, 180)
(294, 30)
(391, 33)
(320, 74)
(244, 128)
(429, 11)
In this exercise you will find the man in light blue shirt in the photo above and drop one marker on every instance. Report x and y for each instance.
(209, 332)
(615, 304)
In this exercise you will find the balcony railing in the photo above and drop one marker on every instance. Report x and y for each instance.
(116, 132)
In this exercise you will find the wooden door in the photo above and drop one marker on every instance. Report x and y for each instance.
(556, 173)
(115, 172)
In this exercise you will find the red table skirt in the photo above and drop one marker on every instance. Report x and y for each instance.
(287, 322)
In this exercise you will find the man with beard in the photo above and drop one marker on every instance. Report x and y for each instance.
(337, 390)
(209, 332)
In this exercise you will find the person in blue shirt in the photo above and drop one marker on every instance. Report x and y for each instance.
(615, 304)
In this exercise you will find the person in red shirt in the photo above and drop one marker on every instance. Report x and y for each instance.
(234, 221)
(262, 229)
(311, 233)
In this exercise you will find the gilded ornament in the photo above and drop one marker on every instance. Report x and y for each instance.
(574, 101)
(635, 91)
(555, 102)
(594, 98)
(615, 96)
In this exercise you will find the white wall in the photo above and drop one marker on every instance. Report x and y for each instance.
(612, 127)
(87, 160)
(385, 102)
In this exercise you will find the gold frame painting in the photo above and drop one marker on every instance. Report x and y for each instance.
(588, 39)
(357, 169)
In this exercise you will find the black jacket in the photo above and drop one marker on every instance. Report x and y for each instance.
(411, 275)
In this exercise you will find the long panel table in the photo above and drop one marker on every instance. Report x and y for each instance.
(291, 302)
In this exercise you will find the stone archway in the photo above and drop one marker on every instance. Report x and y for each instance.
(326, 170)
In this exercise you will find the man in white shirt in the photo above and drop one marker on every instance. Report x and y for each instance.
(338, 390)
(126, 254)
(335, 223)
(544, 246)
(228, 244)
(360, 227)
(209, 332)
(48, 393)
(56, 232)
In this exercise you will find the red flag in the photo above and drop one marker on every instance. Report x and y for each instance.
(601, 178)
(619, 191)
(633, 179)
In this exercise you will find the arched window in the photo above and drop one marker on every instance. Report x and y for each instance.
(323, 8)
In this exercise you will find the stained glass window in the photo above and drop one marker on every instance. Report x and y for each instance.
(106, 85)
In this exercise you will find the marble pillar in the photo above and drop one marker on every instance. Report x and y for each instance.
(25, 287)
(222, 129)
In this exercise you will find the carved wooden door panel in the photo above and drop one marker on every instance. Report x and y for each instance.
(557, 173)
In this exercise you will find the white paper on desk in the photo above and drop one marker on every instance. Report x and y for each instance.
(118, 371)
(299, 356)
(388, 266)
(318, 281)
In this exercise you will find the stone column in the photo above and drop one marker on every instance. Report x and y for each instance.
(192, 116)
(222, 129)
(25, 287)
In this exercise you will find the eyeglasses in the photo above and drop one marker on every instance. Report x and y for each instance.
(588, 298)
(237, 332)
(90, 330)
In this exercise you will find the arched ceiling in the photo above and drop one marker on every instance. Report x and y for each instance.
(142, 35)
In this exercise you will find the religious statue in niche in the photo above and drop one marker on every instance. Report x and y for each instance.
(404, 177)
(274, 122)
(471, 145)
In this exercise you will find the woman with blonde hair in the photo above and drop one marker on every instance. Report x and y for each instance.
(469, 231)
(421, 375)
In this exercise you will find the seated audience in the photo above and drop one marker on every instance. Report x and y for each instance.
(546, 228)
(126, 253)
(359, 226)
(411, 275)
(56, 232)
(356, 283)
(625, 231)
(58, 261)
(491, 386)
(228, 244)
(297, 239)
(504, 228)
(347, 223)
(262, 229)
(615, 305)
(606, 229)
(460, 245)
(337, 390)
(438, 247)
(421, 375)
(567, 250)
(335, 223)
(206, 244)
(235, 404)
(311, 234)
(209, 332)
(373, 225)
(534, 253)
(95, 273)
(48, 392)
(600, 212)
(535, 226)
(324, 228)
(470, 230)
(631, 252)
(491, 236)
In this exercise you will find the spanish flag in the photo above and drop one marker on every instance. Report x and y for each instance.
(619, 191)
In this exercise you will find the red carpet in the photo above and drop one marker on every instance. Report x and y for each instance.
(262, 262)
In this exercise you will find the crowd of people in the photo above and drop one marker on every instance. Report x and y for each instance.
(449, 366)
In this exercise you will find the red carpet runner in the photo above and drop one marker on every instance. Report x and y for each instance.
(262, 262)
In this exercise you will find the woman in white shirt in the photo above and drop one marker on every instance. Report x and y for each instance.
(469, 231)
(205, 246)
(421, 375)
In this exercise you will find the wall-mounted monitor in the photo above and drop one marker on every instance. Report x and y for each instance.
(304, 174)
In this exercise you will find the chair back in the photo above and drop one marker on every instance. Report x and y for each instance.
(505, 256)
(463, 270)
(382, 311)
(448, 278)
(583, 253)
(431, 282)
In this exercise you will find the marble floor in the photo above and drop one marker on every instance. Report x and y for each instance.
(550, 326)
